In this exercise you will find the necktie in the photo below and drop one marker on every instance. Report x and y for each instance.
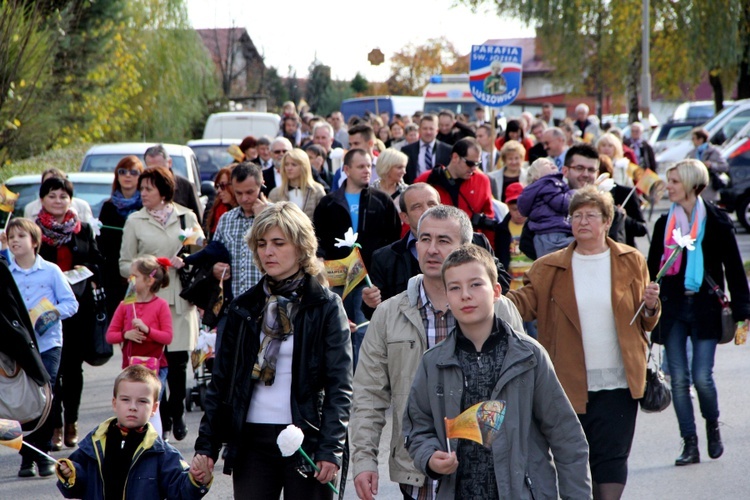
(558, 163)
(428, 157)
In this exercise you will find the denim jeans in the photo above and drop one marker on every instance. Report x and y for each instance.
(700, 370)
(353, 308)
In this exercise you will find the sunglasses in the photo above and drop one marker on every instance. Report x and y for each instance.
(279, 151)
(221, 185)
(128, 171)
(471, 163)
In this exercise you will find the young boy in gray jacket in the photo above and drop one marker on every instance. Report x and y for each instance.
(540, 450)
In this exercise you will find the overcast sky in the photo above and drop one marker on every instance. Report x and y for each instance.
(341, 33)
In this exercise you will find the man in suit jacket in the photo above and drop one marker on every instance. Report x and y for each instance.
(538, 151)
(439, 153)
(272, 176)
(547, 117)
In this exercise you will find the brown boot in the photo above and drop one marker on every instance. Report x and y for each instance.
(57, 439)
(71, 434)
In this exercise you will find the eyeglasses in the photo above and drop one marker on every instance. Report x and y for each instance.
(279, 151)
(221, 185)
(581, 169)
(588, 216)
(128, 171)
(471, 163)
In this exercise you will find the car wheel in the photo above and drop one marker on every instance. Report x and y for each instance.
(743, 212)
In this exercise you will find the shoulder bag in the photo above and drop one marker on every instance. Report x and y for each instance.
(98, 350)
(21, 398)
(657, 396)
(728, 325)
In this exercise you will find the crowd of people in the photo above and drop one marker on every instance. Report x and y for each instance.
(500, 266)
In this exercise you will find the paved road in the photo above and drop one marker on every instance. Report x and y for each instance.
(652, 473)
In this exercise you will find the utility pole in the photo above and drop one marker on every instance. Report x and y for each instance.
(645, 67)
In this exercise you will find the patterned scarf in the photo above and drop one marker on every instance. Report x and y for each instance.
(126, 206)
(55, 233)
(282, 299)
(162, 214)
(677, 218)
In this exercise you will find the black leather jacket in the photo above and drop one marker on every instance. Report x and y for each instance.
(321, 375)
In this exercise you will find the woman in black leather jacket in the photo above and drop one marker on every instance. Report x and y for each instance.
(284, 358)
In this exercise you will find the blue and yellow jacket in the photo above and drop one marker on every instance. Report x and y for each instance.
(157, 471)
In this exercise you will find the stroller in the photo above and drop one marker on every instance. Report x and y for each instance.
(202, 360)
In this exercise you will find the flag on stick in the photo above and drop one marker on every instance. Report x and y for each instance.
(12, 437)
(480, 423)
(347, 272)
(7, 199)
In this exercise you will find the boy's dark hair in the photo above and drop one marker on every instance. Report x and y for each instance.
(468, 254)
(364, 130)
(149, 266)
(30, 227)
(138, 373)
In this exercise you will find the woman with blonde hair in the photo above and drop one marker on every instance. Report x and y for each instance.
(297, 183)
(391, 167)
(608, 144)
(285, 358)
(512, 156)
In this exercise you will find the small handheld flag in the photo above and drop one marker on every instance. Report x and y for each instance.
(7, 199)
(480, 423)
(130, 296)
(11, 436)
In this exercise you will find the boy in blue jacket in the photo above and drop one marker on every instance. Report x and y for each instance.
(124, 457)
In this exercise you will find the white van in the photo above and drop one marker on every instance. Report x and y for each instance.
(240, 124)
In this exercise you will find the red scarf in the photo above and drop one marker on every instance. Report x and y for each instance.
(55, 233)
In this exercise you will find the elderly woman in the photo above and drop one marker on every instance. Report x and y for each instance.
(156, 230)
(691, 310)
(285, 358)
(711, 157)
(608, 144)
(68, 242)
(584, 298)
(391, 167)
(124, 201)
(297, 183)
(511, 155)
(223, 202)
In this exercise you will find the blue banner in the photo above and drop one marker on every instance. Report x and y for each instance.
(495, 74)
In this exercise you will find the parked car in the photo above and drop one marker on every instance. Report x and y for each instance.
(736, 196)
(696, 110)
(721, 130)
(241, 124)
(94, 188)
(665, 134)
(104, 158)
(212, 155)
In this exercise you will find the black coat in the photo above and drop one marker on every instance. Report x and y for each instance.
(19, 341)
(321, 375)
(379, 224)
(441, 156)
(721, 258)
(394, 265)
(635, 223)
(85, 253)
(185, 195)
(109, 242)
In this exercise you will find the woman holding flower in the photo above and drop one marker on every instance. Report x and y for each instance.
(285, 358)
(691, 309)
(584, 297)
(156, 229)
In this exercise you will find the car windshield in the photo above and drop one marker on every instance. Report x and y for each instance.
(108, 162)
(713, 123)
(211, 158)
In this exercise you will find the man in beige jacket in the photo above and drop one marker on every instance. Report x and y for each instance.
(401, 329)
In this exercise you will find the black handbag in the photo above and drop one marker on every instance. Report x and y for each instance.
(657, 396)
(728, 325)
(199, 286)
(98, 350)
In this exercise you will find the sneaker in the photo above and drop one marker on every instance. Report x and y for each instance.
(27, 470)
(46, 467)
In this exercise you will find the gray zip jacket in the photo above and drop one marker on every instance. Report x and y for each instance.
(541, 451)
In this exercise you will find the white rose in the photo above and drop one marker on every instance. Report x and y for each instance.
(289, 440)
